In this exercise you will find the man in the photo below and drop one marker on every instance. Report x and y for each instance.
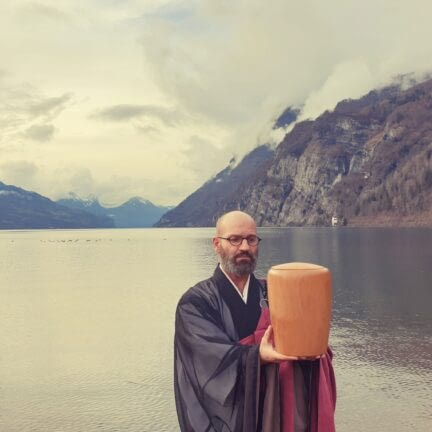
(225, 378)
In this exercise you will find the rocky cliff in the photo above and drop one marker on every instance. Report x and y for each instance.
(368, 162)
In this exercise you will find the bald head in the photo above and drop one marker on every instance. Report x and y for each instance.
(233, 221)
(236, 244)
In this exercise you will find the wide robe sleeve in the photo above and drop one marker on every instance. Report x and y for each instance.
(216, 379)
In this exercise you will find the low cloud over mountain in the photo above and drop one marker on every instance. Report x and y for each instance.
(368, 162)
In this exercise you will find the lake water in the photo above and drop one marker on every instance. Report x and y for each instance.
(87, 324)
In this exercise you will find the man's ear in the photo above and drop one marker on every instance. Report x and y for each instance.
(216, 243)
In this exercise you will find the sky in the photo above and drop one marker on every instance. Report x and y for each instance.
(151, 98)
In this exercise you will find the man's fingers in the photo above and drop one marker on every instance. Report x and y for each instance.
(283, 357)
(269, 354)
(267, 334)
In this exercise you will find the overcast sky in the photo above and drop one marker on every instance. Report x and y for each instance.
(122, 98)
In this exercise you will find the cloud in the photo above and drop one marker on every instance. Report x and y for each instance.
(36, 10)
(111, 190)
(41, 132)
(240, 64)
(202, 156)
(82, 182)
(48, 106)
(229, 63)
(121, 112)
(127, 112)
(349, 79)
(116, 190)
(19, 172)
(25, 112)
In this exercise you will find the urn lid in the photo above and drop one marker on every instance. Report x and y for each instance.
(298, 266)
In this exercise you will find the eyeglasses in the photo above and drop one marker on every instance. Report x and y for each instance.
(236, 240)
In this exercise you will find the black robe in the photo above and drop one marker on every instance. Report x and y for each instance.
(215, 377)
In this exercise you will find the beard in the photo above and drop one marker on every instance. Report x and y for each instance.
(238, 268)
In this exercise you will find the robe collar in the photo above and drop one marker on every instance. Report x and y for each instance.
(244, 295)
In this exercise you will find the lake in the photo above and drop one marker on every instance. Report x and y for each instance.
(87, 321)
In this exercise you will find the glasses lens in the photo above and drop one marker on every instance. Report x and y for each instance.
(235, 240)
(252, 240)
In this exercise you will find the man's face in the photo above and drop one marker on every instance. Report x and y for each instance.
(237, 260)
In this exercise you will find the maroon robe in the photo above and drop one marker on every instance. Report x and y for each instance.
(217, 379)
(322, 393)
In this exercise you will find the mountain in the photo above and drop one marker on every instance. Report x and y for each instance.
(135, 213)
(203, 206)
(91, 204)
(21, 209)
(368, 162)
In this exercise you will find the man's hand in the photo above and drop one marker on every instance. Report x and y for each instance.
(269, 355)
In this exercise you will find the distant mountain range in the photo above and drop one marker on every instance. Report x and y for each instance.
(21, 209)
(134, 213)
(369, 162)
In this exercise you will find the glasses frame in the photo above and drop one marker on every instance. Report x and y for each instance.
(241, 241)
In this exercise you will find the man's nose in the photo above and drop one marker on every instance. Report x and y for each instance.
(244, 245)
